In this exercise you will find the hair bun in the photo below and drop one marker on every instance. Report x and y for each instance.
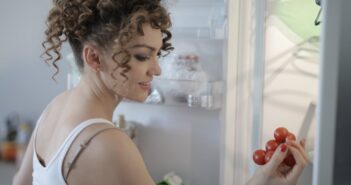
(102, 22)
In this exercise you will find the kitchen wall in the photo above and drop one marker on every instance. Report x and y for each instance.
(25, 80)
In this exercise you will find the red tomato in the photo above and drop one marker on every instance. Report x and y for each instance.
(280, 134)
(268, 156)
(259, 156)
(271, 145)
(291, 137)
(289, 160)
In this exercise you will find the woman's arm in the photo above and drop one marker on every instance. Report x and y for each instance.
(110, 158)
(24, 174)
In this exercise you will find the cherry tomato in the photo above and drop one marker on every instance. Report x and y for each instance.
(271, 145)
(289, 160)
(259, 156)
(280, 134)
(291, 137)
(268, 156)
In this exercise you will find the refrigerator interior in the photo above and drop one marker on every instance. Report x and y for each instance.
(181, 133)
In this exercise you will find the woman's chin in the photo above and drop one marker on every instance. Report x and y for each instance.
(139, 99)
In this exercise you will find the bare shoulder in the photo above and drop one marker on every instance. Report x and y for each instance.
(112, 143)
(111, 158)
(57, 102)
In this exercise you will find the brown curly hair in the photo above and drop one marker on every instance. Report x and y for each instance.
(104, 22)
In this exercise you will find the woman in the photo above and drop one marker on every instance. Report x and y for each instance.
(116, 44)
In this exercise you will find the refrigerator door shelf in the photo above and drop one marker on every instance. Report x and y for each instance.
(187, 93)
(217, 32)
(209, 21)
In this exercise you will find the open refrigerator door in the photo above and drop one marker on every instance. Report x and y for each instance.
(278, 78)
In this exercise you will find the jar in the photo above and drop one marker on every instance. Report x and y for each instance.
(185, 76)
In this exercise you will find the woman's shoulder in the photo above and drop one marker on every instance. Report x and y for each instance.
(105, 142)
(112, 139)
(56, 101)
(115, 154)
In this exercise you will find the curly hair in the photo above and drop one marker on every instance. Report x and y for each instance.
(104, 22)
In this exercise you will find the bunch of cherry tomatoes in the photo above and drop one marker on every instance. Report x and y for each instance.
(281, 134)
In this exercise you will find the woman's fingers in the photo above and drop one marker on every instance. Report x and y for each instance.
(300, 163)
(303, 143)
(299, 147)
(278, 157)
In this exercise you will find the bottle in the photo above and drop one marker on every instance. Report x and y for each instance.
(127, 127)
(121, 122)
(22, 139)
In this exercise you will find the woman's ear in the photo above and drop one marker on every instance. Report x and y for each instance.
(91, 57)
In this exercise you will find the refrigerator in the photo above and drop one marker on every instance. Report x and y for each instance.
(241, 69)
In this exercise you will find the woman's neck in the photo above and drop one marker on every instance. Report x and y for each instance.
(95, 98)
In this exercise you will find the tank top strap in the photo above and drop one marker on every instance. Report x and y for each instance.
(77, 130)
(61, 152)
(69, 162)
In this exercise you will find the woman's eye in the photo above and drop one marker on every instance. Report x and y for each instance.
(141, 58)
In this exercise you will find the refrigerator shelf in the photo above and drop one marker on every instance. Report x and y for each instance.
(199, 33)
(209, 21)
(187, 93)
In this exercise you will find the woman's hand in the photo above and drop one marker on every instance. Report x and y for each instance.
(275, 172)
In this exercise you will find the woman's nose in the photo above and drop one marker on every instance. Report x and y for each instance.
(155, 69)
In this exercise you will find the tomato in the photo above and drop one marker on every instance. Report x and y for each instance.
(291, 137)
(259, 156)
(268, 156)
(280, 134)
(271, 145)
(289, 160)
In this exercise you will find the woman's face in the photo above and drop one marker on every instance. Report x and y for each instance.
(144, 65)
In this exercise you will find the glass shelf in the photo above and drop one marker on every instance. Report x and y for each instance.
(199, 33)
(189, 93)
(209, 21)
(207, 95)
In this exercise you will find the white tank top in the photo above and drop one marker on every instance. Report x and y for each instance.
(52, 173)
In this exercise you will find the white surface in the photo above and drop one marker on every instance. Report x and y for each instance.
(239, 82)
(228, 115)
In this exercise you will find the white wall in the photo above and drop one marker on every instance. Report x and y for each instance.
(25, 80)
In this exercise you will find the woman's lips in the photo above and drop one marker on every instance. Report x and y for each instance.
(145, 85)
